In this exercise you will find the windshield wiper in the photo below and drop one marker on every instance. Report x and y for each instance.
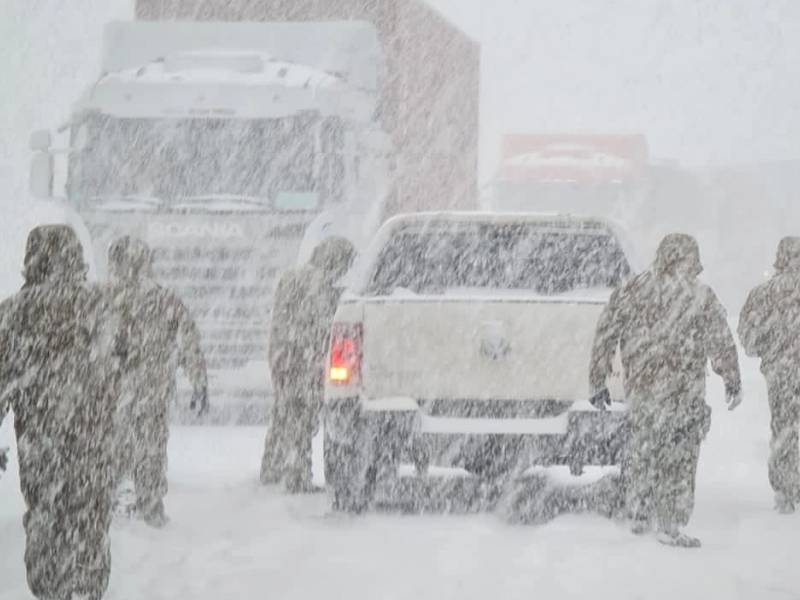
(212, 198)
(133, 199)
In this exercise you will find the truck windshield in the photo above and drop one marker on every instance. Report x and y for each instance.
(529, 257)
(291, 163)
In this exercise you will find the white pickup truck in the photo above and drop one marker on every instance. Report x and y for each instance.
(464, 340)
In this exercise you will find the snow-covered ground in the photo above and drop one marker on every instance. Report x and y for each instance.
(231, 538)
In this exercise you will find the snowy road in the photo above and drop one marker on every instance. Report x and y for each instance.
(231, 538)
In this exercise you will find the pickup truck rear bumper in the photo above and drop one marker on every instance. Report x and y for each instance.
(580, 436)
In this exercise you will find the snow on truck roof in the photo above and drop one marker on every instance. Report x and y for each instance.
(349, 50)
(227, 67)
(225, 84)
(237, 70)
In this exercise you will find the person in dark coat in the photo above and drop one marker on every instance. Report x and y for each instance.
(59, 371)
(666, 325)
(304, 304)
(768, 329)
(161, 338)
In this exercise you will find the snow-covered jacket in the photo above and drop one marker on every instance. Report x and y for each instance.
(667, 325)
(59, 371)
(304, 304)
(770, 319)
(160, 333)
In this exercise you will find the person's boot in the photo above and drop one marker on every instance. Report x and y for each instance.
(154, 515)
(269, 476)
(672, 536)
(784, 504)
(300, 484)
(640, 526)
(124, 503)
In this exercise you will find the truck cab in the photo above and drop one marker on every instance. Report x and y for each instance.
(219, 144)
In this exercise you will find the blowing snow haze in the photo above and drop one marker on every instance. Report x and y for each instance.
(707, 83)
(462, 277)
(711, 81)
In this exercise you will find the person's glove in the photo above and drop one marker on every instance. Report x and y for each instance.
(733, 396)
(199, 401)
(3, 459)
(601, 400)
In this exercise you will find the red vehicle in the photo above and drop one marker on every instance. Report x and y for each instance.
(578, 173)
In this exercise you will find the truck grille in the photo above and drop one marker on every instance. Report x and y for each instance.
(228, 290)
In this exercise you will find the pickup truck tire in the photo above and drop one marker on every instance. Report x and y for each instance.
(386, 436)
(344, 458)
(345, 488)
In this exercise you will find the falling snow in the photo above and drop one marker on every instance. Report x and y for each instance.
(381, 298)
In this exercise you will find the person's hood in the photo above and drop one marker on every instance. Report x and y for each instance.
(129, 258)
(678, 255)
(788, 256)
(53, 253)
(333, 256)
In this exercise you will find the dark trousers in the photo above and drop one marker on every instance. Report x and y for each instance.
(784, 456)
(67, 547)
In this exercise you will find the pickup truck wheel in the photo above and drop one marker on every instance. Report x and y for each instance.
(344, 460)
(341, 474)
(385, 463)
(387, 435)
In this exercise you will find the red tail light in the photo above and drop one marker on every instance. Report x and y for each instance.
(346, 353)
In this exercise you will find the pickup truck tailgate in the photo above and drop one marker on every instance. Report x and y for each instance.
(432, 348)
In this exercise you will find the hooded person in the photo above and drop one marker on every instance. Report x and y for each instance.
(768, 327)
(666, 325)
(161, 338)
(59, 369)
(304, 304)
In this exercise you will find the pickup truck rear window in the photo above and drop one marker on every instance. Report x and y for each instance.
(525, 257)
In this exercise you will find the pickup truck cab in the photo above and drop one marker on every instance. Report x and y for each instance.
(464, 340)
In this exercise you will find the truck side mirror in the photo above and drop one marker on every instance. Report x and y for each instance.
(40, 182)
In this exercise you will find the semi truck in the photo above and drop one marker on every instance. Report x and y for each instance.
(223, 145)
(232, 137)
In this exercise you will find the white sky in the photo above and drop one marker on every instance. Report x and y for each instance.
(705, 80)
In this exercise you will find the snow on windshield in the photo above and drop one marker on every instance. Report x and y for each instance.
(188, 160)
(433, 259)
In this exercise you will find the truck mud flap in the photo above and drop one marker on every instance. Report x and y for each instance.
(596, 438)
